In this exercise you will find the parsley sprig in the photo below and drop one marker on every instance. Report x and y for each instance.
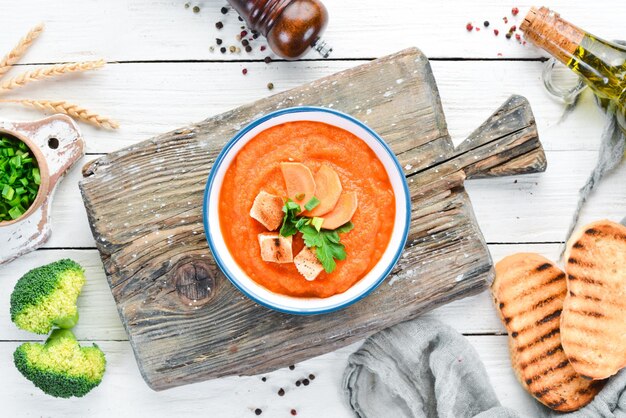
(327, 243)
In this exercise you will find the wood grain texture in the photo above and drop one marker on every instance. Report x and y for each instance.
(144, 208)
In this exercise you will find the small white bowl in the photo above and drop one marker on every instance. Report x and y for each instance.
(290, 304)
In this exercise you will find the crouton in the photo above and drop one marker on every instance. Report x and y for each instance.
(268, 210)
(275, 248)
(307, 264)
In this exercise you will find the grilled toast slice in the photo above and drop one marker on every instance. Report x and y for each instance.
(528, 292)
(593, 328)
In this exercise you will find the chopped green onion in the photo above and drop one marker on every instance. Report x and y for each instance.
(300, 196)
(317, 223)
(312, 204)
(19, 178)
(15, 212)
(7, 192)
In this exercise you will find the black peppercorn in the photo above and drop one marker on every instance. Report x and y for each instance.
(245, 42)
(264, 379)
(281, 392)
(240, 18)
(196, 9)
(224, 10)
(258, 411)
(486, 23)
(270, 86)
(508, 35)
(223, 50)
(312, 376)
(248, 48)
(305, 382)
(219, 25)
(218, 41)
(298, 383)
(292, 366)
(267, 61)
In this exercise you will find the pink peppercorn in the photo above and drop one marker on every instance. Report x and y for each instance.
(496, 32)
(469, 27)
(514, 11)
(244, 71)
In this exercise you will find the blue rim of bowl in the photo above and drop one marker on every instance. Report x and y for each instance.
(216, 165)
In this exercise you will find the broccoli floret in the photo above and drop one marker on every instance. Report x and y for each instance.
(61, 367)
(46, 297)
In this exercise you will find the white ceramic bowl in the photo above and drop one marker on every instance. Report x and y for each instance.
(296, 305)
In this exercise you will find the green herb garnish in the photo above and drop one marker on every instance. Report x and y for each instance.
(312, 204)
(327, 243)
(19, 178)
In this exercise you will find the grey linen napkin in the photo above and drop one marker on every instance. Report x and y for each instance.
(423, 368)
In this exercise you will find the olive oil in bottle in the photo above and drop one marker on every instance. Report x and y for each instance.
(601, 64)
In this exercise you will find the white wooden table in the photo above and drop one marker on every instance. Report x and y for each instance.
(162, 75)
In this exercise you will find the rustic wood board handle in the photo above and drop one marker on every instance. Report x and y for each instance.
(60, 155)
(185, 320)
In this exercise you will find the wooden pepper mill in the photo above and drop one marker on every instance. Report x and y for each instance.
(290, 26)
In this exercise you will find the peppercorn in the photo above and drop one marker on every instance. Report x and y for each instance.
(263, 47)
(218, 41)
(267, 60)
(243, 33)
(258, 411)
(517, 36)
(245, 42)
(298, 383)
(469, 27)
(486, 23)
(292, 367)
(513, 28)
(477, 29)
(187, 5)
(240, 18)
(270, 86)
(312, 376)
(508, 35)
(264, 379)
(244, 71)
(305, 382)
(224, 10)
(219, 25)
(496, 32)
(223, 50)
(281, 392)
(506, 20)
(248, 48)
(232, 48)
(294, 412)
(196, 9)
(212, 48)
(256, 35)
(514, 11)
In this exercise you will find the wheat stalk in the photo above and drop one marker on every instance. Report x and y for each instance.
(70, 109)
(48, 72)
(18, 52)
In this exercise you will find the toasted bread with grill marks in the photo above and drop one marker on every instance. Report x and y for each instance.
(593, 328)
(528, 292)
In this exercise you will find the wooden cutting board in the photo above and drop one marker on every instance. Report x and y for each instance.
(185, 320)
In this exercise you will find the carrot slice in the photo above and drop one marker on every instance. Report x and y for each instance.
(343, 211)
(299, 181)
(327, 190)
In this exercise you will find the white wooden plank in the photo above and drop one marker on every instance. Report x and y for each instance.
(99, 319)
(123, 393)
(165, 30)
(149, 99)
(529, 208)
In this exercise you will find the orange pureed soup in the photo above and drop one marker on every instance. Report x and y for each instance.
(257, 167)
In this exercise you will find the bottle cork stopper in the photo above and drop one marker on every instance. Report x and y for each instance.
(528, 20)
(547, 30)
